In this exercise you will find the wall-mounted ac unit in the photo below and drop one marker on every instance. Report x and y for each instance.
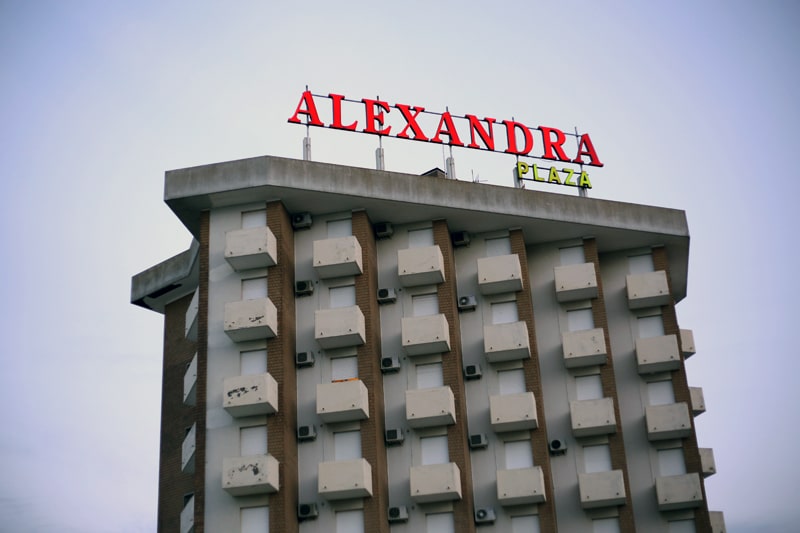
(306, 433)
(383, 230)
(386, 296)
(472, 372)
(398, 513)
(478, 441)
(557, 447)
(304, 287)
(394, 436)
(460, 238)
(485, 515)
(307, 511)
(301, 220)
(390, 365)
(304, 359)
(467, 303)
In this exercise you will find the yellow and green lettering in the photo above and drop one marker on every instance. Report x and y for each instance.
(522, 169)
(583, 181)
(568, 180)
(554, 176)
(536, 174)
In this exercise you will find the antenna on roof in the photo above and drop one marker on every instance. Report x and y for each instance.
(307, 140)
(379, 160)
(450, 163)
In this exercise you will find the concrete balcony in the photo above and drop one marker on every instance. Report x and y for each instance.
(342, 401)
(592, 417)
(425, 334)
(430, 407)
(191, 316)
(255, 394)
(340, 327)
(717, 521)
(669, 421)
(678, 492)
(420, 266)
(335, 258)
(647, 290)
(601, 489)
(506, 342)
(249, 320)
(512, 412)
(708, 466)
(499, 274)
(187, 450)
(190, 383)
(250, 248)
(187, 516)
(342, 480)
(687, 343)
(520, 486)
(435, 483)
(657, 354)
(584, 348)
(255, 474)
(698, 403)
(575, 282)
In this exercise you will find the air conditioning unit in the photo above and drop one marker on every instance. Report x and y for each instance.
(301, 220)
(306, 433)
(394, 436)
(467, 303)
(307, 511)
(485, 515)
(398, 513)
(304, 359)
(383, 230)
(386, 296)
(460, 238)
(304, 287)
(472, 372)
(390, 364)
(557, 447)
(478, 441)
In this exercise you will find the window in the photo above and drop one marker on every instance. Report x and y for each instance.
(429, 376)
(344, 368)
(434, 450)
(340, 228)
(254, 288)
(439, 523)
(640, 264)
(511, 381)
(419, 238)
(671, 462)
(605, 525)
(660, 392)
(588, 387)
(255, 519)
(525, 524)
(650, 326)
(254, 219)
(580, 319)
(350, 521)
(518, 454)
(681, 526)
(425, 304)
(572, 255)
(500, 246)
(253, 440)
(344, 296)
(253, 362)
(346, 445)
(597, 458)
(504, 313)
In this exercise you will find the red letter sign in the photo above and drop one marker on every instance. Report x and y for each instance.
(511, 126)
(447, 127)
(486, 137)
(337, 114)
(585, 147)
(373, 117)
(553, 144)
(310, 111)
(411, 122)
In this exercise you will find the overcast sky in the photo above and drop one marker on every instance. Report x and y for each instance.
(691, 105)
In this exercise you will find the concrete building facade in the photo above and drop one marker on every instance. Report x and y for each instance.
(356, 350)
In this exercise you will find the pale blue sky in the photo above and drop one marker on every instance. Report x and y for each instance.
(691, 105)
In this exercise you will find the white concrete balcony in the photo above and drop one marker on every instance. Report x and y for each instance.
(341, 480)
(698, 403)
(499, 274)
(255, 394)
(512, 412)
(342, 401)
(425, 334)
(334, 258)
(678, 492)
(647, 290)
(430, 407)
(191, 316)
(249, 320)
(601, 489)
(717, 521)
(255, 474)
(187, 450)
(687, 343)
(520, 486)
(190, 383)
(506, 342)
(187, 516)
(669, 421)
(584, 348)
(592, 417)
(575, 282)
(708, 466)
(339, 327)
(657, 354)
(420, 266)
(435, 483)
(250, 248)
